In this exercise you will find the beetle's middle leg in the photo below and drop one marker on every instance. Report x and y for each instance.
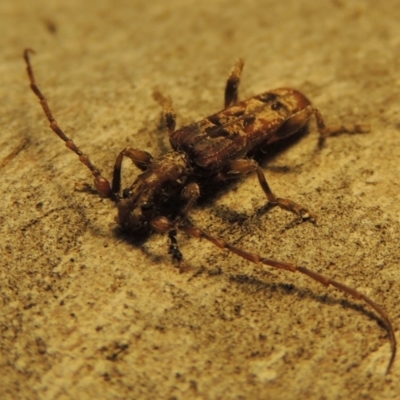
(169, 114)
(244, 166)
(232, 84)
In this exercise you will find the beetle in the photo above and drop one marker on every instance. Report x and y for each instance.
(214, 149)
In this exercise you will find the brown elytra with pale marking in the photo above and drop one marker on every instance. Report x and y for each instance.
(211, 150)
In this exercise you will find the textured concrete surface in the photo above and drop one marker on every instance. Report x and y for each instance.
(86, 313)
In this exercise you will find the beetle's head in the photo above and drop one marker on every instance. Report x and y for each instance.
(135, 208)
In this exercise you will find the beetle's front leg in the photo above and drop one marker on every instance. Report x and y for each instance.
(142, 159)
(175, 252)
(190, 194)
(244, 166)
(164, 225)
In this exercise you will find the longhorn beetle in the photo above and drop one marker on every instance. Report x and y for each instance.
(213, 150)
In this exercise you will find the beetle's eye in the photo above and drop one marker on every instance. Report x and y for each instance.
(126, 193)
(147, 206)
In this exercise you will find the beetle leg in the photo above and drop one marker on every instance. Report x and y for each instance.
(164, 225)
(142, 159)
(300, 119)
(232, 84)
(168, 110)
(244, 166)
(175, 252)
(190, 193)
(337, 129)
(287, 204)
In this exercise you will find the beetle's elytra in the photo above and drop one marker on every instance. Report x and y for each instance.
(211, 150)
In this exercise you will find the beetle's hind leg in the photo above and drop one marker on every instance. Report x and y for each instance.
(299, 119)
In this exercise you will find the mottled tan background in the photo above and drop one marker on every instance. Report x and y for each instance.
(87, 314)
